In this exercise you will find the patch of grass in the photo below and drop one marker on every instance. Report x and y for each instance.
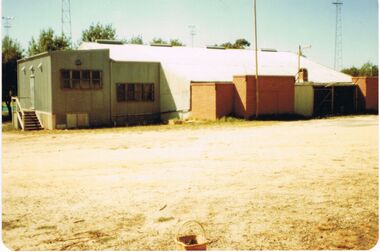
(185, 124)
(47, 227)
(8, 225)
(165, 219)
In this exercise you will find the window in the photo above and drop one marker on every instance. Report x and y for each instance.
(85, 80)
(138, 92)
(120, 92)
(66, 79)
(75, 82)
(81, 79)
(148, 94)
(96, 79)
(135, 92)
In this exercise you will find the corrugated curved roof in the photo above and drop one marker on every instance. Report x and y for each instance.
(202, 64)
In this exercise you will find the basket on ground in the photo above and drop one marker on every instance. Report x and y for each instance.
(191, 236)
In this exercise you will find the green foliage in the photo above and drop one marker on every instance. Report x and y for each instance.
(11, 52)
(99, 31)
(368, 69)
(239, 44)
(158, 41)
(227, 45)
(176, 42)
(172, 42)
(353, 71)
(136, 40)
(47, 41)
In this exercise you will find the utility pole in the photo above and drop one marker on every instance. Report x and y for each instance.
(338, 59)
(66, 20)
(256, 61)
(7, 24)
(192, 34)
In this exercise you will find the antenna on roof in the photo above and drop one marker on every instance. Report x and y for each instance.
(7, 24)
(192, 34)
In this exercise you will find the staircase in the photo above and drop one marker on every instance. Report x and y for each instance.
(26, 118)
(31, 121)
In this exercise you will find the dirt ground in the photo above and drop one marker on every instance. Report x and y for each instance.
(277, 185)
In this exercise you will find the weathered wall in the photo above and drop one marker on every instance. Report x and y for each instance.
(224, 99)
(240, 96)
(304, 100)
(42, 83)
(369, 88)
(93, 102)
(175, 92)
(203, 101)
(276, 95)
(134, 72)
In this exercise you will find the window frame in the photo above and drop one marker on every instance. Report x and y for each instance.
(133, 94)
(120, 97)
(83, 80)
(81, 86)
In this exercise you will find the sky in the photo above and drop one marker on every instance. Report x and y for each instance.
(282, 24)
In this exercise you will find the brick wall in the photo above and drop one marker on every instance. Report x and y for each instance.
(215, 100)
(240, 96)
(203, 101)
(369, 88)
(224, 99)
(276, 95)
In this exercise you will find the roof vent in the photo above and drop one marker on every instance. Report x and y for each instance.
(268, 50)
(107, 41)
(216, 47)
(160, 45)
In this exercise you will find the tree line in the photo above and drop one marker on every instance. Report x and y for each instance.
(367, 69)
(49, 41)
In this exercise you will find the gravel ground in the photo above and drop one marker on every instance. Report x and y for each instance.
(286, 185)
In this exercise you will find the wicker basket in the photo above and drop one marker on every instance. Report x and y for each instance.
(189, 239)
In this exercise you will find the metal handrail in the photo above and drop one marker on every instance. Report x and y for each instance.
(18, 110)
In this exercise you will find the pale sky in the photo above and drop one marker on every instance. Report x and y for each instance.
(282, 24)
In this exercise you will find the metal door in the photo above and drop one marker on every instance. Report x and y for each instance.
(31, 91)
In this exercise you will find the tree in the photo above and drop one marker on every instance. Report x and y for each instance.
(239, 44)
(353, 71)
(11, 52)
(158, 41)
(136, 40)
(47, 41)
(99, 31)
(227, 45)
(176, 42)
(368, 69)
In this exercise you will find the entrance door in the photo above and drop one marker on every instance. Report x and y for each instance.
(32, 91)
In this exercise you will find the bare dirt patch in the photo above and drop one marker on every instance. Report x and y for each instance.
(286, 185)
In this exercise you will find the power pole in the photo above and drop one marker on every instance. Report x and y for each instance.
(7, 24)
(192, 34)
(338, 59)
(66, 20)
(256, 61)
